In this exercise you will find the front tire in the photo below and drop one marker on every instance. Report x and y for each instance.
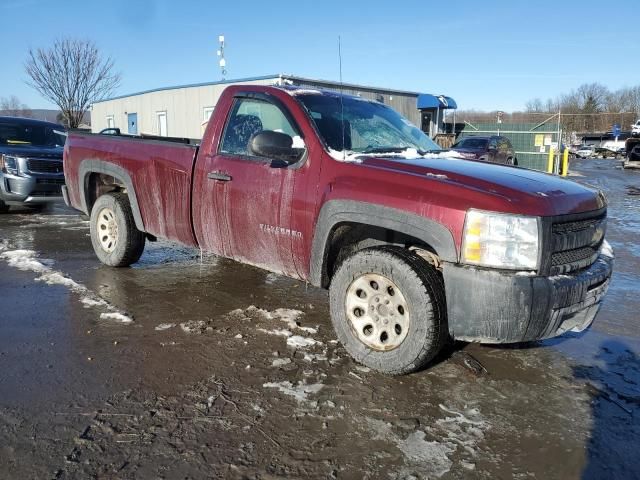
(114, 236)
(4, 208)
(388, 309)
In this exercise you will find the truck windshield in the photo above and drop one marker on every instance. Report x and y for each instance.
(369, 127)
(28, 134)
(472, 143)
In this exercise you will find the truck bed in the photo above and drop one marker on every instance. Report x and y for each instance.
(158, 171)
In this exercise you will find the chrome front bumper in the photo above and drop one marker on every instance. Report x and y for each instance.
(30, 189)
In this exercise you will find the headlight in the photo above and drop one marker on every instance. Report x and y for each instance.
(9, 164)
(500, 240)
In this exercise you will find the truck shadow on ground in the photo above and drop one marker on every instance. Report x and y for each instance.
(614, 386)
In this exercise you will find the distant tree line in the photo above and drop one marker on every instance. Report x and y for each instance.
(13, 107)
(592, 107)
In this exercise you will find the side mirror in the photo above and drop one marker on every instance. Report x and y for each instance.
(274, 145)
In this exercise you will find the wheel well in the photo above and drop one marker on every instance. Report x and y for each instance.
(348, 237)
(97, 184)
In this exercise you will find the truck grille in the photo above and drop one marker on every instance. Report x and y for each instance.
(38, 165)
(50, 181)
(57, 192)
(575, 242)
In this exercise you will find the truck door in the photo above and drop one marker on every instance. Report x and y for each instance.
(254, 194)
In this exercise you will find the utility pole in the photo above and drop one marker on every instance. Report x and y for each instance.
(222, 62)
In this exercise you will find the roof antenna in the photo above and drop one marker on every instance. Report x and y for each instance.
(344, 150)
(222, 62)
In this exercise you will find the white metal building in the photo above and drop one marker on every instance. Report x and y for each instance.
(183, 111)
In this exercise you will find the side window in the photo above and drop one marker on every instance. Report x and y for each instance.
(248, 117)
(206, 113)
(493, 143)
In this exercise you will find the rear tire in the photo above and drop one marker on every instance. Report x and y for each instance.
(388, 309)
(114, 236)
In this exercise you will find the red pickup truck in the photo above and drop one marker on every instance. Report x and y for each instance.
(344, 193)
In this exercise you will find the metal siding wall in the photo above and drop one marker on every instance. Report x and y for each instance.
(184, 107)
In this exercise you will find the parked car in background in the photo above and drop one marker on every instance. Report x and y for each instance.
(635, 129)
(346, 194)
(30, 162)
(633, 153)
(586, 151)
(494, 149)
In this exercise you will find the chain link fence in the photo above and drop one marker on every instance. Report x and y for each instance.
(534, 134)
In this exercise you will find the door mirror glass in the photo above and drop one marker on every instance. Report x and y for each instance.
(275, 145)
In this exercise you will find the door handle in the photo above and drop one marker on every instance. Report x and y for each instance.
(221, 176)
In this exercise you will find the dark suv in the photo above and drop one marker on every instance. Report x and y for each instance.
(30, 162)
(495, 149)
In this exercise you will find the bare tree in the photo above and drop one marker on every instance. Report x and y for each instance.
(534, 106)
(13, 107)
(72, 74)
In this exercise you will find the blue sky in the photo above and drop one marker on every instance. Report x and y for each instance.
(487, 55)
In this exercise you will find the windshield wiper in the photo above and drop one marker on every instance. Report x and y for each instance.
(384, 149)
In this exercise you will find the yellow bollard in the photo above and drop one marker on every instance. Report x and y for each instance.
(550, 163)
(565, 162)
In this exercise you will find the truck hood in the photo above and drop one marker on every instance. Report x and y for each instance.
(500, 187)
(31, 152)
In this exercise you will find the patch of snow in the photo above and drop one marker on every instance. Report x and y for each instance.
(280, 362)
(428, 459)
(606, 249)
(303, 91)
(461, 418)
(310, 330)
(164, 326)
(288, 315)
(407, 154)
(116, 316)
(525, 274)
(280, 333)
(56, 278)
(345, 155)
(297, 341)
(195, 326)
(436, 175)
(26, 260)
(298, 142)
(89, 302)
(300, 392)
(432, 457)
(315, 357)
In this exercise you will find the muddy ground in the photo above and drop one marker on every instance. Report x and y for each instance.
(190, 367)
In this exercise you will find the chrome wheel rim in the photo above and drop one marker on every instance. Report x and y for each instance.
(107, 230)
(377, 312)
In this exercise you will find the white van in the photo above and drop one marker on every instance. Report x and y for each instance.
(635, 129)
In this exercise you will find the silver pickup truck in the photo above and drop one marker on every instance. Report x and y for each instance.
(30, 162)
